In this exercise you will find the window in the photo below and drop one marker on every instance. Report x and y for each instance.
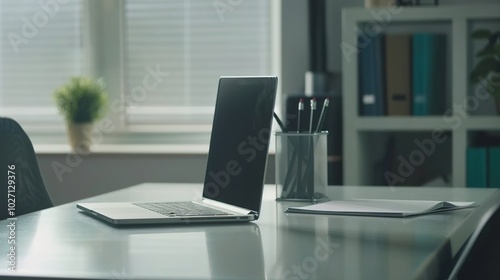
(41, 48)
(176, 50)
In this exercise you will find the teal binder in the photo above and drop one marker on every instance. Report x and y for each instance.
(477, 168)
(494, 167)
(429, 73)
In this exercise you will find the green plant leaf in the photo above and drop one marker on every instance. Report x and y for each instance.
(487, 51)
(493, 86)
(481, 34)
(482, 69)
(81, 100)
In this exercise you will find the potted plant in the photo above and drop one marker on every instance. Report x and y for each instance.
(82, 101)
(487, 70)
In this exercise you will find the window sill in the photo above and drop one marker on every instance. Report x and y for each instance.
(134, 140)
(171, 149)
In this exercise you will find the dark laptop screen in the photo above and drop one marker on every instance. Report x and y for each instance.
(240, 140)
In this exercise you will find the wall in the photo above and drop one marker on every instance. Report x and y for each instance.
(101, 173)
(294, 44)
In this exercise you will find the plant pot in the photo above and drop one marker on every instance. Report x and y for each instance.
(80, 136)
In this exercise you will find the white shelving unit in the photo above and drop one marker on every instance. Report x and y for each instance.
(356, 128)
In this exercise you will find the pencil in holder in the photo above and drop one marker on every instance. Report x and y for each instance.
(301, 166)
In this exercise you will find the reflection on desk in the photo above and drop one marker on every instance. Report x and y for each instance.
(60, 242)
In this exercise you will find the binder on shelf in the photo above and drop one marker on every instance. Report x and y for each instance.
(429, 78)
(494, 167)
(371, 77)
(398, 74)
(477, 167)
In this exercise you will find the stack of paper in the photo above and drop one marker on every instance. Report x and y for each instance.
(380, 207)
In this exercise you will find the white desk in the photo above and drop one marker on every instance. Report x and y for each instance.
(61, 242)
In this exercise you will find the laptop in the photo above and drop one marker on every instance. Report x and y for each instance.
(236, 165)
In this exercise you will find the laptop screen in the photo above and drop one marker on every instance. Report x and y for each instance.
(240, 140)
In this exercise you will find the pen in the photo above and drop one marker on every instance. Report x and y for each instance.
(313, 107)
(323, 114)
(301, 108)
(283, 127)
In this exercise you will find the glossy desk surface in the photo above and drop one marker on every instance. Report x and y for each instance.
(61, 242)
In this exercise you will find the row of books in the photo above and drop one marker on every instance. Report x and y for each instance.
(483, 165)
(402, 74)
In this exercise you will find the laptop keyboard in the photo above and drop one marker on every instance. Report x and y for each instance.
(181, 209)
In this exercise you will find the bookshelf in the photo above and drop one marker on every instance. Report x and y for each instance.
(361, 133)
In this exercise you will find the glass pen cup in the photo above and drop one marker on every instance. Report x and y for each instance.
(301, 166)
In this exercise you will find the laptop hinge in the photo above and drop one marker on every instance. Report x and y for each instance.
(255, 213)
(225, 206)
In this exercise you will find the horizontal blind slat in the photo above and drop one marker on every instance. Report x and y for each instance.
(189, 40)
(32, 70)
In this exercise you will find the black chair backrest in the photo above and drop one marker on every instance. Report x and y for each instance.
(480, 258)
(25, 183)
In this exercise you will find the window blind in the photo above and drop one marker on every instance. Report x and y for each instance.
(41, 48)
(176, 50)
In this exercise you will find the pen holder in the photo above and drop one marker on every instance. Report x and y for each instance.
(301, 166)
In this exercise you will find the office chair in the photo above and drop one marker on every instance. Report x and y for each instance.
(480, 258)
(16, 152)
